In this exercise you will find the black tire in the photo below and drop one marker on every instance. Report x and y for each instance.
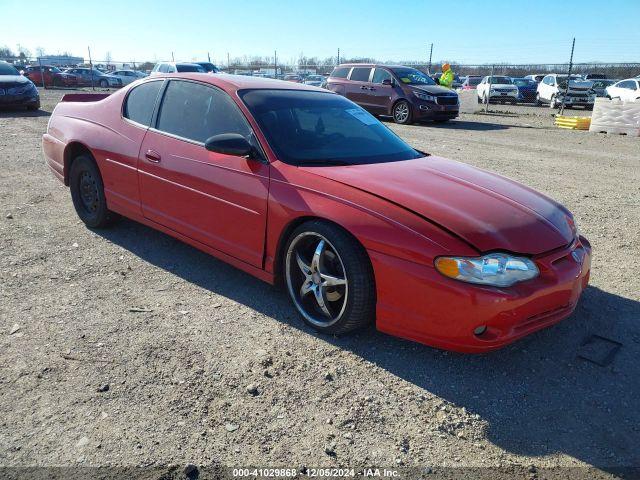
(354, 305)
(478, 98)
(87, 193)
(538, 101)
(402, 113)
(104, 83)
(33, 108)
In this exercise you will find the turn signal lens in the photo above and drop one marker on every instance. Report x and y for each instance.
(496, 269)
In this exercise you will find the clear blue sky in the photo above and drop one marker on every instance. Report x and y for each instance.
(465, 31)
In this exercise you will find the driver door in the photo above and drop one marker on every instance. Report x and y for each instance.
(380, 95)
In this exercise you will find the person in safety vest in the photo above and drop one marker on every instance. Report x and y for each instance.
(446, 79)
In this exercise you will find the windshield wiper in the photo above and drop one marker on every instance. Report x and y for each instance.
(320, 163)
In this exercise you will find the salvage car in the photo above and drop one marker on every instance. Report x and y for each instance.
(553, 90)
(294, 183)
(406, 94)
(53, 76)
(497, 89)
(128, 76)
(17, 90)
(527, 89)
(90, 77)
(628, 90)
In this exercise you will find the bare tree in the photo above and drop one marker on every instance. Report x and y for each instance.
(6, 52)
(40, 51)
(107, 58)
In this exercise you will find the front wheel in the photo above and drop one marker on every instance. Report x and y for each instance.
(402, 112)
(553, 103)
(87, 193)
(329, 278)
(538, 101)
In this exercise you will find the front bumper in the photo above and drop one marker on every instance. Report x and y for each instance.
(22, 100)
(430, 111)
(581, 101)
(507, 96)
(444, 313)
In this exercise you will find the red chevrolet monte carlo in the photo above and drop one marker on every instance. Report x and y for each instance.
(291, 182)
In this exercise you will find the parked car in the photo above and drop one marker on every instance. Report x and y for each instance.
(535, 77)
(314, 80)
(600, 86)
(552, 90)
(180, 67)
(293, 78)
(361, 227)
(17, 90)
(471, 82)
(53, 76)
(595, 76)
(628, 90)
(208, 67)
(128, 76)
(527, 89)
(94, 77)
(405, 93)
(502, 90)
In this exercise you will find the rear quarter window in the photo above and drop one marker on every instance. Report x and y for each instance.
(340, 72)
(139, 103)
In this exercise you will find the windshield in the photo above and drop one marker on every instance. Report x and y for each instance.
(317, 128)
(499, 80)
(523, 82)
(474, 80)
(314, 78)
(6, 69)
(190, 68)
(411, 76)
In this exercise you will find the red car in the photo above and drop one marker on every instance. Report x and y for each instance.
(53, 76)
(292, 182)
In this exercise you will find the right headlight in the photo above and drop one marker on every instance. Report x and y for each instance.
(495, 269)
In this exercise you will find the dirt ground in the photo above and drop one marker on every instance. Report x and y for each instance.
(125, 347)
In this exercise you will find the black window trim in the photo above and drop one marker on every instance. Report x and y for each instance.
(155, 105)
(156, 111)
(368, 80)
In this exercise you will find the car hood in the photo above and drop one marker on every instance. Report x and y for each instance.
(14, 79)
(432, 89)
(488, 211)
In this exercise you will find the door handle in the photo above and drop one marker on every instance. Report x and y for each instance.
(153, 156)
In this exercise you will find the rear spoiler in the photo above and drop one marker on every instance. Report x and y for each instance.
(84, 97)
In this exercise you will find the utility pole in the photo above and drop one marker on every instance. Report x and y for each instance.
(90, 68)
(172, 57)
(566, 89)
(338, 62)
(486, 107)
(208, 57)
(275, 64)
(430, 54)
(228, 62)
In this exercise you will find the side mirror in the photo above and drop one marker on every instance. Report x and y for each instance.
(387, 81)
(229, 144)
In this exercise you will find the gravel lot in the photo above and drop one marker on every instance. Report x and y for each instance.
(124, 347)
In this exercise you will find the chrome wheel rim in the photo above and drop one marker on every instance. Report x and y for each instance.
(316, 279)
(402, 112)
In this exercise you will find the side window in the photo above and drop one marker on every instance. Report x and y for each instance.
(380, 74)
(197, 112)
(360, 74)
(162, 68)
(139, 104)
(340, 72)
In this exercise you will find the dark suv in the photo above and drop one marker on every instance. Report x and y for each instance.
(407, 94)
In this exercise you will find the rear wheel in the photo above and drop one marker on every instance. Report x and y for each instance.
(87, 193)
(104, 83)
(538, 101)
(402, 112)
(329, 278)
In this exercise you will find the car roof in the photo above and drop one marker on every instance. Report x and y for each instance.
(370, 65)
(233, 83)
